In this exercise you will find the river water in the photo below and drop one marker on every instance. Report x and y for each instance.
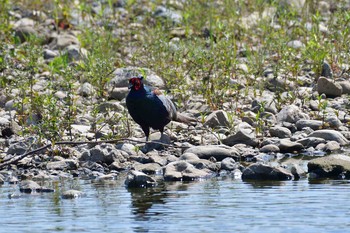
(214, 205)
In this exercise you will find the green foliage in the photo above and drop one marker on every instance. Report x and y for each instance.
(201, 55)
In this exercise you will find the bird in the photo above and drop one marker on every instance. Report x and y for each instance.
(150, 108)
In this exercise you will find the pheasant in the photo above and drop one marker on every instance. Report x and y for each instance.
(150, 108)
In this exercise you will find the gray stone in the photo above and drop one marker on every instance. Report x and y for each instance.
(217, 152)
(267, 101)
(311, 141)
(63, 40)
(122, 76)
(291, 114)
(296, 44)
(229, 164)
(137, 179)
(103, 153)
(329, 87)
(345, 86)
(217, 119)
(259, 171)
(86, 90)
(67, 164)
(50, 54)
(330, 135)
(110, 106)
(168, 14)
(184, 171)
(29, 186)
(280, 132)
(148, 168)
(245, 134)
(326, 70)
(332, 166)
(287, 146)
(313, 124)
(24, 28)
(333, 122)
(17, 148)
(270, 148)
(331, 146)
(71, 194)
(189, 156)
(75, 53)
(118, 93)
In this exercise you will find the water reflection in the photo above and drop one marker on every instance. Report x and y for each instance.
(205, 206)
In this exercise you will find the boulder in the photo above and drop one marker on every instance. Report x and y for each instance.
(287, 146)
(330, 135)
(216, 151)
(137, 179)
(245, 134)
(184, 171)
(71, 194)
(291, 114)
(29, 186)
(332, 166)
(217, 119)
(259, 171)
(280, 132)
(313, 124)
(67, 164)
(329, 87)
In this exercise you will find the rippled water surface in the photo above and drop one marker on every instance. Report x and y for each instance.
(216, 205)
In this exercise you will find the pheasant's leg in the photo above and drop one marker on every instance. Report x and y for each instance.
(146, 131)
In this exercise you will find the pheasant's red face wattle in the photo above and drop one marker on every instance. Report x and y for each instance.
(135, 83)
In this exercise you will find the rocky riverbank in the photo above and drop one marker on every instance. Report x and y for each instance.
(259, 126)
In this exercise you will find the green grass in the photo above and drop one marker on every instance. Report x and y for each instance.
(212, 43)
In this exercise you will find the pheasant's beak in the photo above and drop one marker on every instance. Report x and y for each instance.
(130, 85)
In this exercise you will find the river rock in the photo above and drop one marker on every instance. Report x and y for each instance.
(217, 119)
(311, 141)
(331, 146)
(291, 114)
(63, 40)
(332, 166)
(137, 179)
(259, 171)
(104, 153)
(67, 164)
(287, 146)
(328, 87)
(229, 164)
(168, 14)
(148, 168)
(330, 135)
(245, 134)
(86, 89)
(280, 132)
(216, 151)
(326, 70)
(122, 76)
(29, 186)
(333, 122)
(270, 148)
(71, 194)
(184, 171)
(24, 29)
(313, 124)
(345, 84)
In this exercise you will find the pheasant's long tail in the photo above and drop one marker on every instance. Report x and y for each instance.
(185, 119)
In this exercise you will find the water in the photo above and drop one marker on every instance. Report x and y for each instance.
(216, 205)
